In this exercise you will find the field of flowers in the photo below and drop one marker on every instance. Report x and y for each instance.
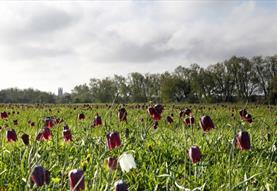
(138, 147)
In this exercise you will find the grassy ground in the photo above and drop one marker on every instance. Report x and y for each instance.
(160, 155)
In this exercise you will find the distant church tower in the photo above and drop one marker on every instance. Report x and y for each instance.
(60, 92)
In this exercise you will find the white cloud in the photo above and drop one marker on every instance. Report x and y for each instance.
(47, 45)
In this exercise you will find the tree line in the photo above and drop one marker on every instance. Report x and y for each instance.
(238, 79)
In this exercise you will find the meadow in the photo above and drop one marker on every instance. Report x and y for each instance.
(160, 149)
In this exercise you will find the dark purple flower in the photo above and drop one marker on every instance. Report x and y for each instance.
(159, 108)
(81, 116)
(25, 139)
(67, 136)
(4, 115)
(111, 163)
(40, 176)
(242, 140)
(122, 114)
(76, 180)
(120, 185)
(11, 135)
(194, 154)
(206, 123)
(189, 120)
(46, 133)
(97, 120)
(113, 140)
(154, 114)
(242, 113)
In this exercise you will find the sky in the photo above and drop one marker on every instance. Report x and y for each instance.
(49, 44)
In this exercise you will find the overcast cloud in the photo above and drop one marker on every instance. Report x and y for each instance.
(46, 45)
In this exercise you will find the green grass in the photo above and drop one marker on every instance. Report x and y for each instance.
(162, 161)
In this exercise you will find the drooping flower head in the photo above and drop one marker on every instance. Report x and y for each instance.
(97, 120)
(194, 154)
(81, 116)
(40, 176)
(11, 135)
(76, 180)
(189, 120)
(113, 140)
(242, 140)
(206, 123)
(122, 114)
(127, 162)
(120, 185)
(25, 139)
(111, 163)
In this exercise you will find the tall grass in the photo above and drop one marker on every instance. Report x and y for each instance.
(161, 154)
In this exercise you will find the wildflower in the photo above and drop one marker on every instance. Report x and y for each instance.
(127, 162)
(4, 115)
(11, 135)
(194, 154)
(81, 116)
(97, 120)
(206, 123)
(49, 122)
(67, 135)
(113, 140)
(189, 120)
(25, 139)
(40, 176)
(122, 114)
(111, 163)
(120, 185)
(242, 140)
(76, 180)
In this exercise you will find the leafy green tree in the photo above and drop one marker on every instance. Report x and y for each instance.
(81, 94)
(137, 87)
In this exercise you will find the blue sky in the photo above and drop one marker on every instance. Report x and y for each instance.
(51, 44)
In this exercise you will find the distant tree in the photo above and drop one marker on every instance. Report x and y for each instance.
(242, 71)
(107, 91)
(173, 88)
(152, 87)
(122, 88)
(15, 95)
(273, 90)
(81, 94)
(136, 83)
